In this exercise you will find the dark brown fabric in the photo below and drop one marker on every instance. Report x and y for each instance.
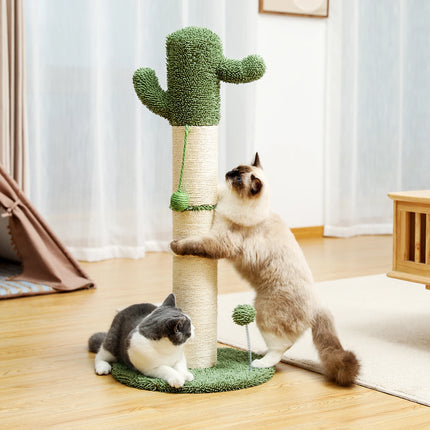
(45, 260)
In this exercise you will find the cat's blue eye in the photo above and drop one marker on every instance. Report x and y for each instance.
(238, 178)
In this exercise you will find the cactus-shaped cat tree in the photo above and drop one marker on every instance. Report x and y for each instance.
(191, 103)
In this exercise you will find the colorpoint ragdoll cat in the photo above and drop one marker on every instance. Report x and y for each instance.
(148, 338)
(265, 252)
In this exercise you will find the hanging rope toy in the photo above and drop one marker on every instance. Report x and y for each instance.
(179, 201)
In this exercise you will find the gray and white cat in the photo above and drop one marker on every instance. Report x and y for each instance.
(265, 252)
(148, 338)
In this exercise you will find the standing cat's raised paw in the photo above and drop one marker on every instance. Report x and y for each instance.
(175, 247)
(103, 368)
(181, 247)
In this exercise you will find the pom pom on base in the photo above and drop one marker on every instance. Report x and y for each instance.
(244, 314)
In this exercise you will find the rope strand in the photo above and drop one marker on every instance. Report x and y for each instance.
(187, 130)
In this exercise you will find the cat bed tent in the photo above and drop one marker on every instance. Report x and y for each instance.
(32, 259)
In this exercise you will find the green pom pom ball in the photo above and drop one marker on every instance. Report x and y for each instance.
(244, 314)
(179, 201)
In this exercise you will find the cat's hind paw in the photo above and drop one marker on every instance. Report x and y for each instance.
(264, 362)
(103, 368)
(271, 358)
(259, 363)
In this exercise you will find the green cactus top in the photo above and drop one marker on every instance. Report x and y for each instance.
(195, 67)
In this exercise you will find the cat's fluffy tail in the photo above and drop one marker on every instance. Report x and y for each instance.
(341, 366)
(95, 341)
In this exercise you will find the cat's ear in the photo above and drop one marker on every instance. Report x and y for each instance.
(257, 162)
(256, 185)
(170, 301)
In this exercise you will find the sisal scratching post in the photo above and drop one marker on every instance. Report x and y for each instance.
(194, 278)
(195, 67)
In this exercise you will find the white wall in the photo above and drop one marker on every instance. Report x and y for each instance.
(290, 114)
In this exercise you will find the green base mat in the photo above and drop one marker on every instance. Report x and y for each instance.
(230, 373)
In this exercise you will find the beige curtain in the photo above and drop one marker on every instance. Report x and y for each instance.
(12, 90)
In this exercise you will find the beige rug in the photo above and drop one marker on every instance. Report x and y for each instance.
(385, 321)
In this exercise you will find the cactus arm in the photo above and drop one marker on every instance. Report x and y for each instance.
(249, 69)
(149, 91)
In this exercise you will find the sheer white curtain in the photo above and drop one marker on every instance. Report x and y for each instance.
(378, 111)
(100, 162)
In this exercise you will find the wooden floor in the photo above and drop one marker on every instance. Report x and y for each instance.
(47, 378)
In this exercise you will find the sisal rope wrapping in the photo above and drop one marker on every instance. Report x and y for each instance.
(194, 278)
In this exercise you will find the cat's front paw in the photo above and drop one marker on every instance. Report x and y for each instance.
(177, 246)
(103, 368)
(174, 246)
(176, 381)
(189, 376)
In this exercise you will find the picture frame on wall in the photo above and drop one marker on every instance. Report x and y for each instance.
(309, 8)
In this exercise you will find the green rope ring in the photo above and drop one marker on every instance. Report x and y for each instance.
(230, 373)
(179, 201)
